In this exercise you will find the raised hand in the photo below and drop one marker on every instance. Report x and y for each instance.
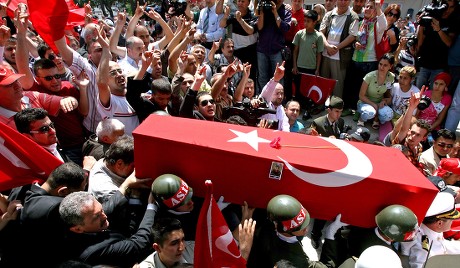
(82, 80)
(279, 72)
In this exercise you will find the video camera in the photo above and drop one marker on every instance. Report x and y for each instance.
(430, 11)
(162, 7)
(249, 113)
(265, 5)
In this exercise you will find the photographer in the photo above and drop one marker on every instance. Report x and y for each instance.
(405, 53)
(435, 35)
(274, 21)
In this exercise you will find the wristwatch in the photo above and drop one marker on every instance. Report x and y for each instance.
(278, 18)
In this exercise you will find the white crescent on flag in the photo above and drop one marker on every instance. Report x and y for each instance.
(357, 169)
(317, 89)
(223, 241)
(11, 156)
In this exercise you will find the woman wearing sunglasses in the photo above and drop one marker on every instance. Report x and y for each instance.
(392, 14)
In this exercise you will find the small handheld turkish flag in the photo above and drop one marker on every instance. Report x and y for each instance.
(22, 160)
(214, 243)
(315, 87)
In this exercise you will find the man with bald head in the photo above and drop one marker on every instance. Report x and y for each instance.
(87, 37)
(111, 83)
(134, 50)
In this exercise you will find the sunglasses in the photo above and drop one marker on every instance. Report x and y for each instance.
(205, 102)
(391, 14)
(114, 73)
(50, 77)
(43, 129)
(443, 145)
(51, 57)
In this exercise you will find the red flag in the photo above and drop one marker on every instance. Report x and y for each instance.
(76, 14)
(22, 161)
(214, 243)
(316, 88)
(49, 19)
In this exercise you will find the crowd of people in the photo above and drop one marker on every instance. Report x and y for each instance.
(81, 97)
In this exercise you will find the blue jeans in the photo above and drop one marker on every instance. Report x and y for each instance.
(453, 115)
(426, 75)
(267, 65)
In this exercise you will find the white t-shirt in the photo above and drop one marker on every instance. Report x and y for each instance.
(400, 100)
(120, 109)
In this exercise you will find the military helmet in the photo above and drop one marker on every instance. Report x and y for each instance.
(171, 190)
(288, 213)
(397, 222)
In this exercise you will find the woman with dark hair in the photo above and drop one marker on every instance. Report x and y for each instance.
(374, 95)
(365, 59)
(392, 14)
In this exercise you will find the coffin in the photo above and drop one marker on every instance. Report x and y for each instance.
(328, 176)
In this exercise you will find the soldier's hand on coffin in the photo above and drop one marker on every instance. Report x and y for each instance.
(133, 182)
(246, 211)
(264, 123)
(88, 162)
(221, 204)
(332, 229)
(279, 72)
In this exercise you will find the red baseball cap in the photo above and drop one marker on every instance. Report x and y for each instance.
(7, 76)
(449, 165)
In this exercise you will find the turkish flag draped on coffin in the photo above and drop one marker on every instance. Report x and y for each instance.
(22, 161)
(328, 176)
(317, 88)
(214, 243)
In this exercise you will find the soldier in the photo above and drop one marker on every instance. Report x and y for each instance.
(430, 240)
(395, 223)
(277, 238)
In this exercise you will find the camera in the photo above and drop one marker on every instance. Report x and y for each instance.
(249, 113)
(179, 6)
(411, 39)
(430, 11)
(265, 5)
(424, 103)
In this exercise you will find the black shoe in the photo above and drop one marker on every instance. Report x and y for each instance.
(306, 116)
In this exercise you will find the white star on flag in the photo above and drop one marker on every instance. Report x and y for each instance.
(250, 138)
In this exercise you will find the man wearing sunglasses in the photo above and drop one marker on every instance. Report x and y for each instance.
(35, 124)
(442, 146)
(198, 105)
(111, 83)
(13, 98)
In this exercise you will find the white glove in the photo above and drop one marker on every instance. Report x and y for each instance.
(332, 229)
(221, 204)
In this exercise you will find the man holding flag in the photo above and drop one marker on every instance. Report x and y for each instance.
(215, 245)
